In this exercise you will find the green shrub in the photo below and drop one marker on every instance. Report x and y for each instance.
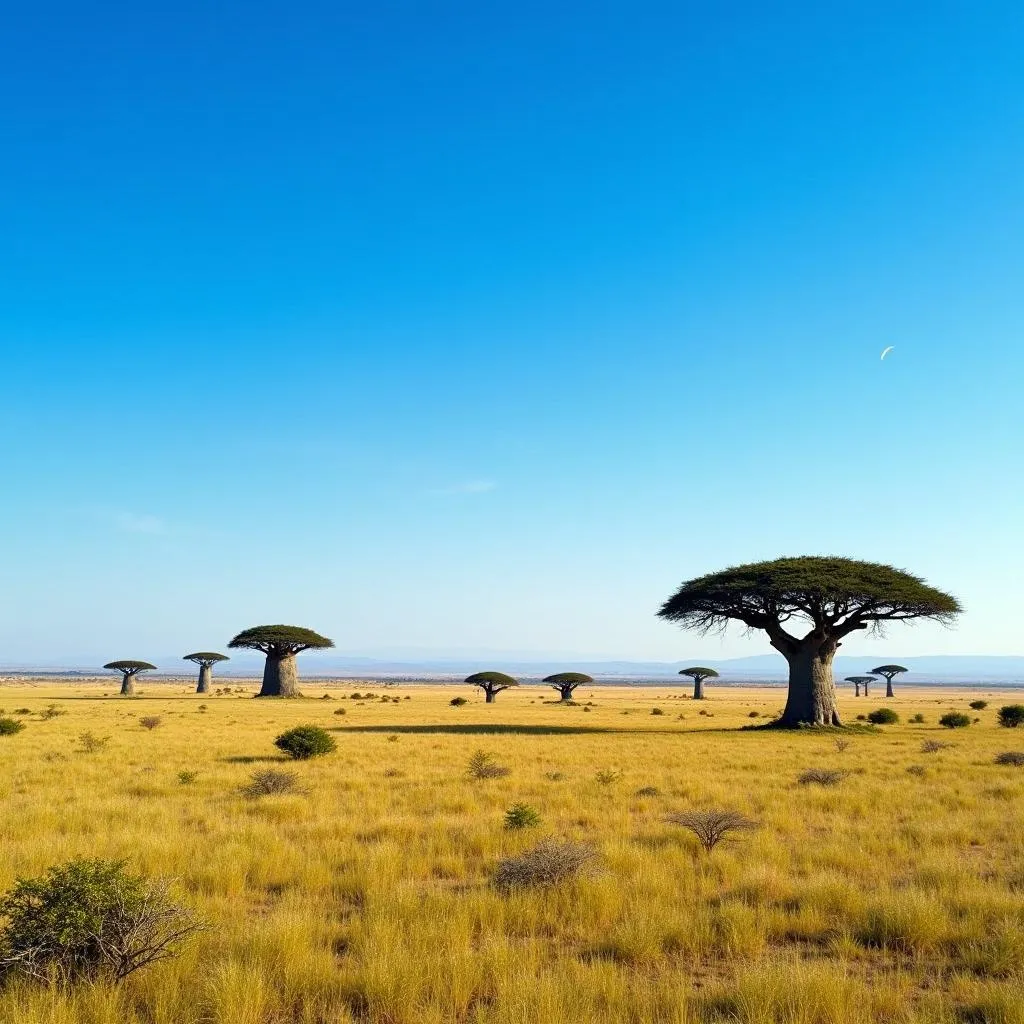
(883, 716)
(92, 743)
(917, 719)
(457, 702)
(339, 711)
(483, 766)
(187, 778)
(10, 726)
(1011, 715)
(978, 705)
(657, 711)
(955, 720)
(606, 776)
(753, 714)
(305, 741)
(521, 816)
(86, 920)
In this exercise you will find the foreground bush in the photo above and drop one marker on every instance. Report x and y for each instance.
(821, 777)
(10, 726)
(978, 705)
(305, 741)
(88, 919)
(711, 827)
(270, 781)
(955, 720)
(883, 716)
(1011, 715)
(521, 816)
(548, 863)
(1014, 757)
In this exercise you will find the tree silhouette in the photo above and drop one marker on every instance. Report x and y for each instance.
(129, 670)
(492, 683)
(566, 682)
(859, 681)
(832, 597)
(280, 644)
(888, 671)
(698, 673)
(204, 659)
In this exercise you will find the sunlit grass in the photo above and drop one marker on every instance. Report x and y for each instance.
(367, 895)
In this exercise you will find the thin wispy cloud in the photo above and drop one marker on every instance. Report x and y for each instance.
(467, 487)
(134, 522)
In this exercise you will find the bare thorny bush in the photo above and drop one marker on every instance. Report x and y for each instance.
(271, 781)
(548, 863)
(711, 827)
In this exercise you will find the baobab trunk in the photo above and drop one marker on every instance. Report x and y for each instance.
(812, 690)
(698, 688)
(280, 677)
(205, 675)
(566, 692)
(856, 690)
(888, 687)
(128, 685)
(489, 696)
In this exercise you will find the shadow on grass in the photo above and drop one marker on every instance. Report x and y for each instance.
(256, 759)
(505, 729)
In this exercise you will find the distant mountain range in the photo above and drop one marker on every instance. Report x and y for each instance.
(940, 668)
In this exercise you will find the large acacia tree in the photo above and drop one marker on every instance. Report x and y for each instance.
(492, 683)
(566, 682)
(858, 682)
(204, 659)
(807, 606)
(129, 670)
(889, 671)
(698, 673)
(280, 644)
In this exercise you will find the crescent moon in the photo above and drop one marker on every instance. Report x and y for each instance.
(887, 351)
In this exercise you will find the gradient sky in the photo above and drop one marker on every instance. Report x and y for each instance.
(472, 326)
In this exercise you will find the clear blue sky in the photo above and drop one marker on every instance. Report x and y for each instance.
(482, 325)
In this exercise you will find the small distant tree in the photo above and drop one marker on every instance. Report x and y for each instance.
(1011, 715)
(129, 670)
(698, 673)
(492, 683)
(566, 682)
(889, 671)
(858, 682)
(280, 644)
(205, 659)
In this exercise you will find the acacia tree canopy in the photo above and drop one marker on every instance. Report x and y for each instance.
(492, 680)
(205, 657)
(889, 670)
(130, 667)
(280, 640)
(560, 679)
(699, 672)
(860, 679)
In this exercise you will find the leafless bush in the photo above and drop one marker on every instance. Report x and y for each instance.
(606, 776)
(483, 766)
(150, 721)
(841, 745)
(933, 746)
(91, 742)
(711, 827)
(821, 777)
(916, 769)
(1014, 757)
(648, 791)
(271, 781)
(548, 863)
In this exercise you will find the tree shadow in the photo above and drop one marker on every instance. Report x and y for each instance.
(483, 729)
(254, 759)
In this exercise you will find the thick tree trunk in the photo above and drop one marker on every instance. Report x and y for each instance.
(888, 687)
(812, 690)
(280, 676)
(698, 688)
(205, 675)
(566, 692)
(867, 692)
(128, 685)
(489, 696)
(856, 691)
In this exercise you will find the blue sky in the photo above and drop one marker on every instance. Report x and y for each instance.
(481, 326)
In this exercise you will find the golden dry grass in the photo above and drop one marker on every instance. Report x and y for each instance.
(895, 896)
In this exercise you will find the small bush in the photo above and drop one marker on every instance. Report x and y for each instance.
(91, 743)
(23, 711)
(483, 766)
(520, 816)
(883, 716)
(917, 719)
(271, 782)
(10, 726)
(86, 920)
(306, 741)
(821, 777)
(753, 714)
(554, 776)
(711, 827)
(842, 745)
(1011, 715)
(657, 711)
(150, 721)
(550, 862)
(648, 791)
(955, 720)
(392, 738)
(862, 718)
(457, 702)
(978, 705)
(606, 776)
(187, 778)
(933, 746)
(339, 711)
(53, 711)
(916, 769)
(1013, 757)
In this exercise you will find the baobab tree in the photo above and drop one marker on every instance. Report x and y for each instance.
(858, 682)
(566, 682)
(129, 670)
(831, 597)
(204, 659)
(888, 671)
(492, 683)
(698, 673)
(280, 644)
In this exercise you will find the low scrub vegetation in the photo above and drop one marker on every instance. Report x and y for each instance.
(712, 827)
(1010, 716)
(271, 782)
(550, 862)
(483, 766)
(883, 716)
(1011, 757)
(10, 726)
(520, 816)
(306, 741)
(955, 720)
(821, 777)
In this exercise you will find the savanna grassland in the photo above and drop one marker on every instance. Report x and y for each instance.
(895, 895)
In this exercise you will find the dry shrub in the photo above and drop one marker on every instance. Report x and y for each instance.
(933, 746)
(483, 766)
(1012, 757)
(548, 863)
(270, 782)
(711, 827)
(150, 721)
(821, 777)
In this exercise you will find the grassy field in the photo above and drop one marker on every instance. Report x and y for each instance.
(896, 895)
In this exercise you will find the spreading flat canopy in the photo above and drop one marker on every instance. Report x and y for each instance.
(834, 595)
(492, 680)
(699, 672)
(205, 657)
(860, 679)
(889, 670)
(130, 666)
(567, 678)
(280, 640)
